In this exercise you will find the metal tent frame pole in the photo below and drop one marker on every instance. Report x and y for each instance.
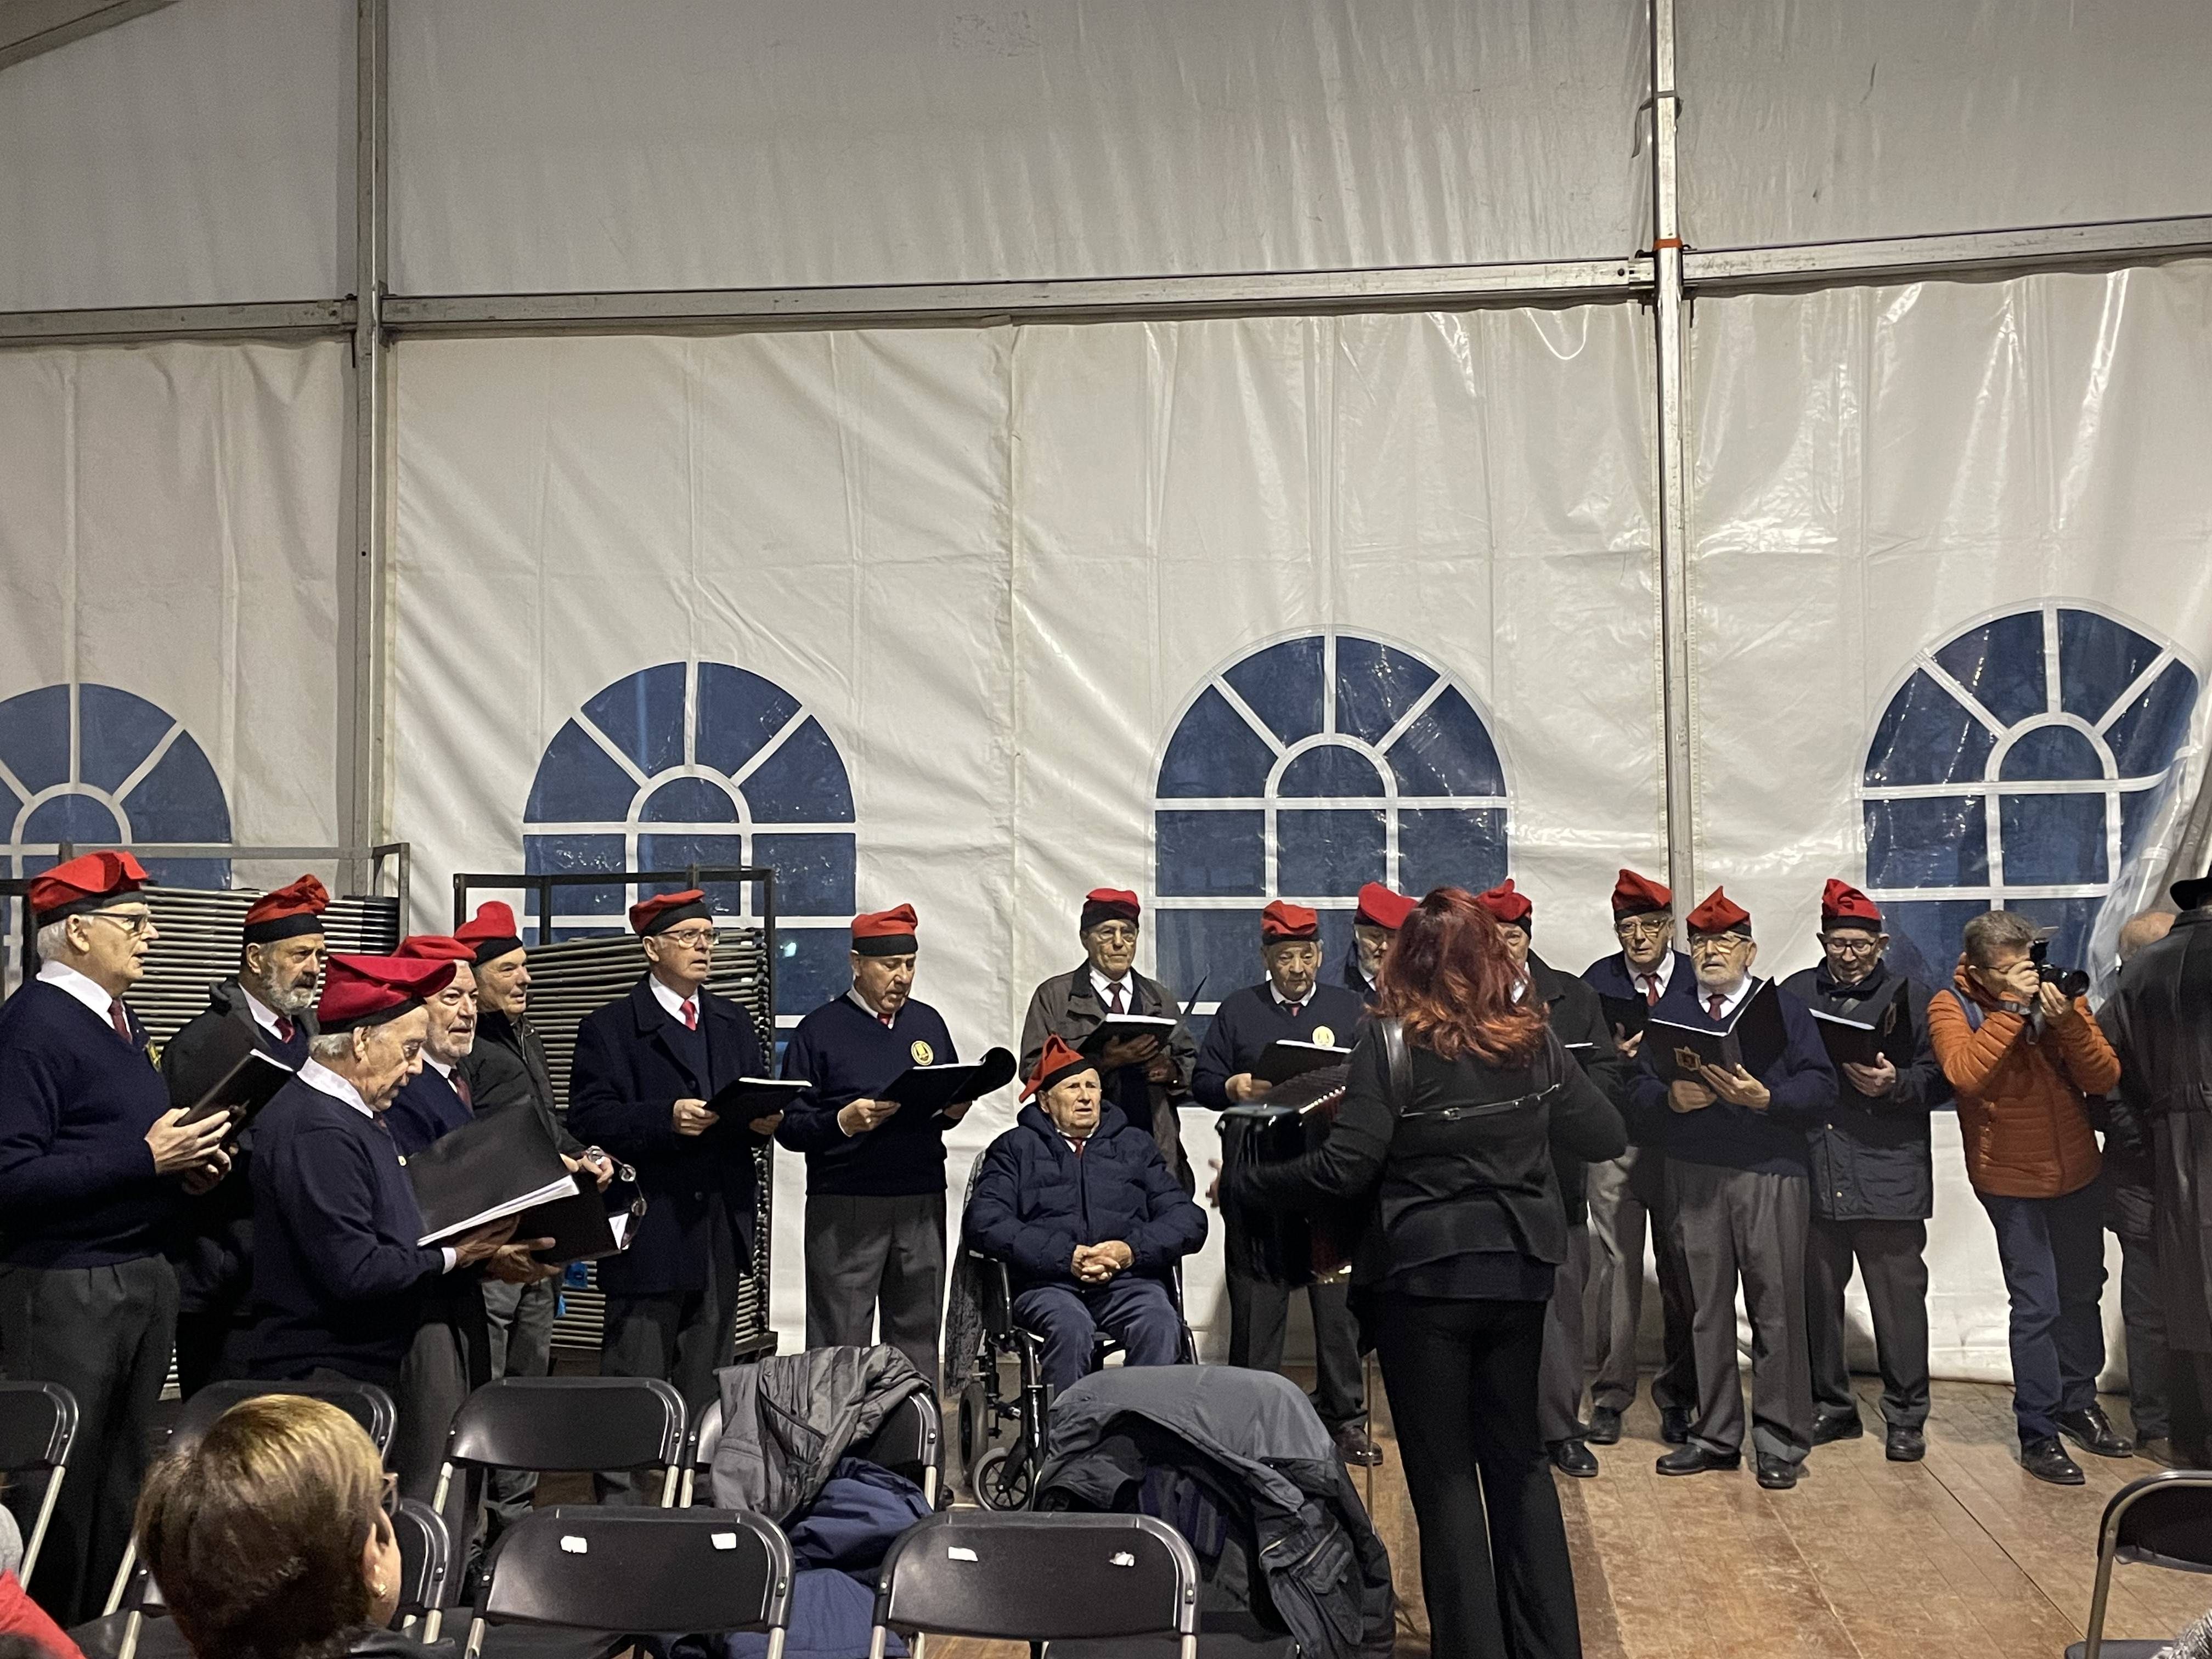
(361, 777)
(1670, 340)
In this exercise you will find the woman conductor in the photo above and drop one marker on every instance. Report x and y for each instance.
(1449, 1152)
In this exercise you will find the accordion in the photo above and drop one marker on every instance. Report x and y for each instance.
(1310, 1245)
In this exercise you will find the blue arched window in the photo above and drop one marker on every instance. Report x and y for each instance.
(97, 767)
(703, 762)
(2016, 767)
(1301, 771)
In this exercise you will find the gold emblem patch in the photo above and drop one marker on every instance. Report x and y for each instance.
(1323, 1036)
(922, 1052)
(1688, 1059)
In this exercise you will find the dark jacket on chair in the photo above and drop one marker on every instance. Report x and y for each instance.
(633, 1063)
(1035, 1199)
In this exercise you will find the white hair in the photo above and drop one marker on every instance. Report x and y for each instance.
(331, 1045)
(53, 941)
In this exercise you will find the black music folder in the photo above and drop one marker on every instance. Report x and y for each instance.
(750, 1097)
(1126, 1026)
(585, 1225)
(1285, 1058)
(489, 1169)
(1754, 1039)
(1885, 1033)
(1625, 1014)
(922, 1091)
(251, 1083)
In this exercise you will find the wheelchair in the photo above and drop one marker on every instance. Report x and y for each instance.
(1004, 1477)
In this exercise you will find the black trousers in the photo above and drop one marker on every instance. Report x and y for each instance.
(1259, 1319)
(104, 1334)
(1495, 1572)
(2143, 1314)
(1893, 1263)
(1628, 1197)
(2190, 1378)
(683, 1337)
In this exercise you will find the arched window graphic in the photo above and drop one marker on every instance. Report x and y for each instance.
(1301, 771)
(2017, 767)
(703, 762)
(94, 766)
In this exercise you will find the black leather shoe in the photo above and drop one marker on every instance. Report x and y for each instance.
(1353, 1446)
(2156, 1449)
(1777, 1474)
(1674, 1425)
(1572, 1457)
(1696, 1460)
(2093, 1431)
(1828, 1430)
(1604, 1427)
(2046, 1460)
(1904, 1445)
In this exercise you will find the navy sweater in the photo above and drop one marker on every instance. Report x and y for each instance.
(1772, 1142)
(1248, 1020)
(78, 1187)
(848, 1055)
(338, 1279)
(427, 1109)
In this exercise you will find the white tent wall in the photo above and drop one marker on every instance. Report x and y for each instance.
(562, 144)
(169, 547)
(1879, 471)
(1808, 122)
(997, 566)
(200, 154)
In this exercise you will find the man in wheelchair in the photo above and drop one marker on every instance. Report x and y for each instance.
(1080, 1205)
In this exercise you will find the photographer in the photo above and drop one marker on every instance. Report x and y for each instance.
(2024, 1055)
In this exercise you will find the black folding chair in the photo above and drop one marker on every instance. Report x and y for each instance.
(38, 1426)
(911, 1442)
(568, 1424)
(2163, 1520)
(640, 1572)
(367, 1404)
(1025, 1576)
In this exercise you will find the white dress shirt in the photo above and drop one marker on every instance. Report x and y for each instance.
(85, 989)
(668, 1000)
(1128, 983)
(264, 1015)
(1730, 1000)
(1663, 973)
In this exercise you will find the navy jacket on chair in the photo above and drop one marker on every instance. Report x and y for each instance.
(633, 1063)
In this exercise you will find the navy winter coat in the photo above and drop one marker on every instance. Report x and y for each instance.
(1035, 1200)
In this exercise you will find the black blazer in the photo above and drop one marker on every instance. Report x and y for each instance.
(629, 1071)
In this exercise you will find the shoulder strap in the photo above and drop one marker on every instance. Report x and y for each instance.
(1967, 1004)
(1400, 1063)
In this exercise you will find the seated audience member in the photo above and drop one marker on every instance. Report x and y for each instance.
(24, 1625)
(2025, 1059)
(1081, 1206)
(271, 1539)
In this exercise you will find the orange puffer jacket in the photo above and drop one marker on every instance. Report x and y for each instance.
(2023, 1110)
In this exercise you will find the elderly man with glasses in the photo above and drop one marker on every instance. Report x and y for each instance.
(1874, 1182)
(645, 1067)
(94, 1167)
(1737, 1176)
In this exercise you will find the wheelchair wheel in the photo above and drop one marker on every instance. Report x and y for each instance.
(974, 1428)
(1002, 1479)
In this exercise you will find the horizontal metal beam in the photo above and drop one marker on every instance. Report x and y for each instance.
(975, 304)
(271, 320)
(1972, 253)
(28, 27)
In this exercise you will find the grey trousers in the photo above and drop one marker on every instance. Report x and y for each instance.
(867, 1256)
(434, 1384)
(1559, 1378)
(682, 1337)
(104, 1334)
(1892, 1264)
(1736, 1224)
(1628, 1196)
(520, 1319)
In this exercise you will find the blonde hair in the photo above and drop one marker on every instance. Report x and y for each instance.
(255, 1533)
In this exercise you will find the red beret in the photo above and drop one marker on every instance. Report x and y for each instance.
(1841, 902)
(491, 932)
(1719, 913)
(885, 932)
(1381, 908)
(287, 913)
(663, 911)
(369, 990)
(1108, 904)
(1633, 896)
(1503, 902)
(88, 882)
(1285, 920)
(437, 947)
(1057, 1063)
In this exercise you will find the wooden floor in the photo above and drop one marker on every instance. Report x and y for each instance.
(1962, 1556)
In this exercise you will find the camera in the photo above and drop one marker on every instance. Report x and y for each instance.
(2071, 981)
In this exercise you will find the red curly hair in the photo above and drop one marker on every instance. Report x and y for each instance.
(1448, 977)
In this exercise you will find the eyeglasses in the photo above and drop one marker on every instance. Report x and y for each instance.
(1852, 945)
(690, 939)
(1115, 932)
(1643, 927)
(136, 923)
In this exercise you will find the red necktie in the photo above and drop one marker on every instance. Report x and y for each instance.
(461, 1088)
(1713, 1004)
(121, 1022)
(1651, 989)
(690, 1015)
(1115, 1006)
(283, 1029)
(1292, 1008)
(886, 1020)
